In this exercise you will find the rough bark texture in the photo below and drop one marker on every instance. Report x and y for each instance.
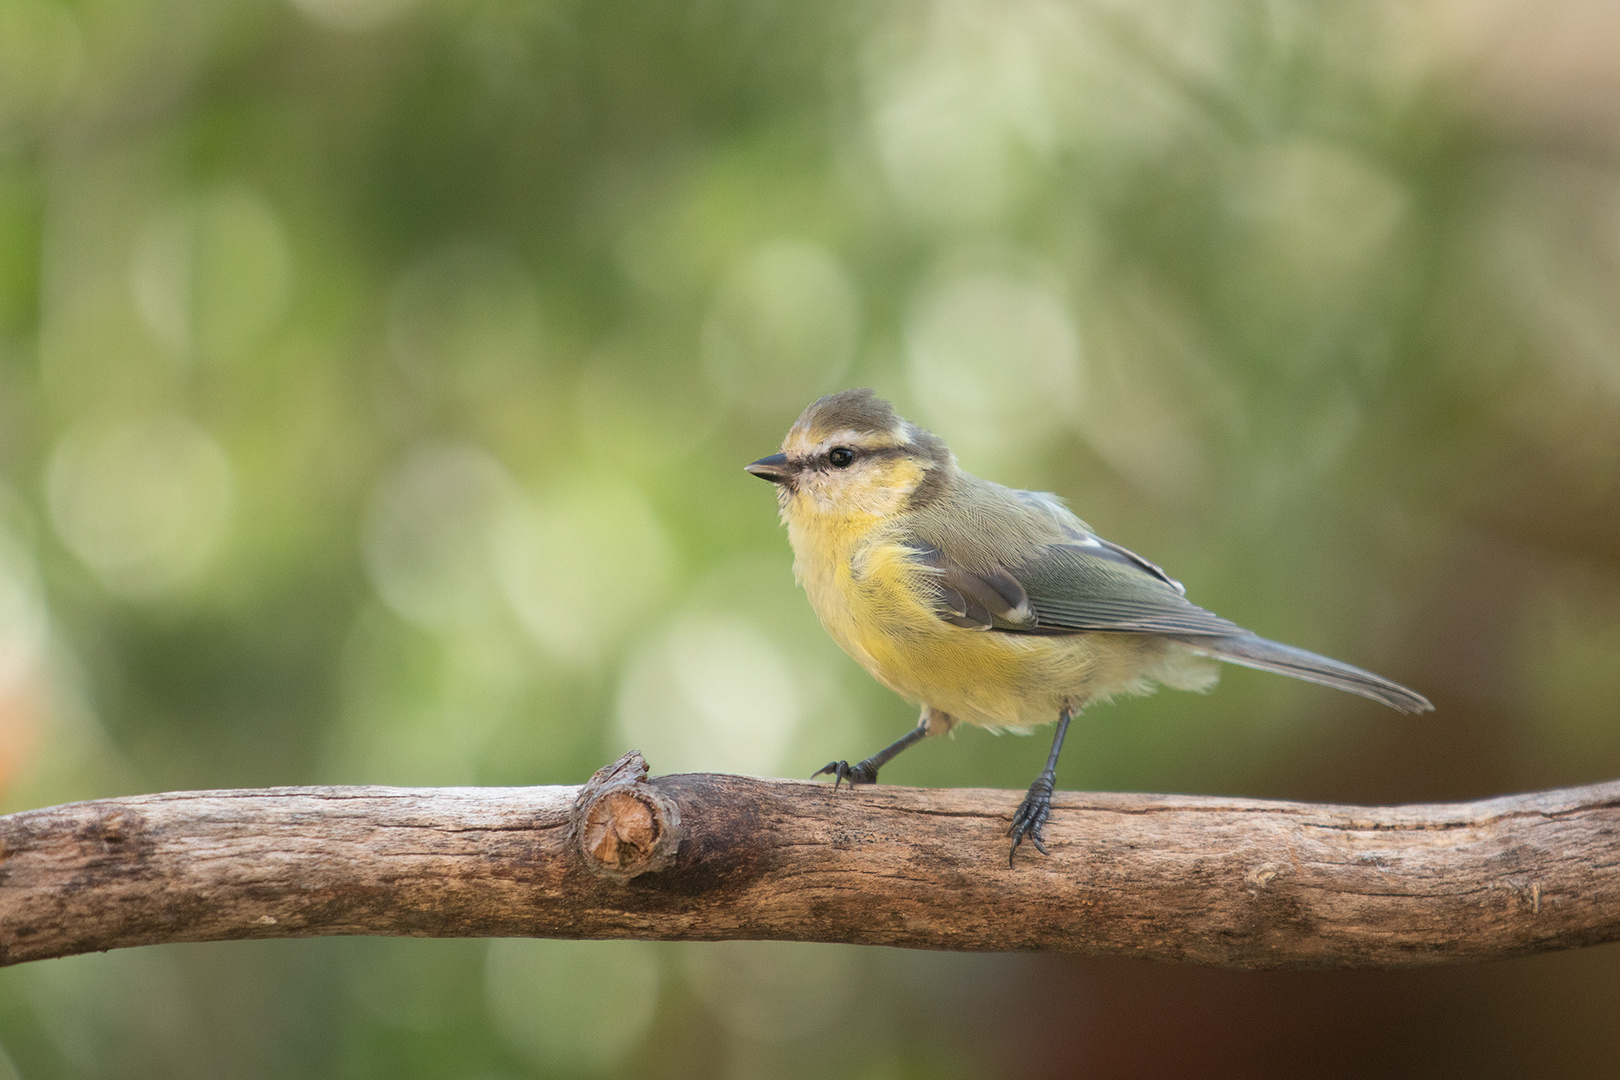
(1234, 882)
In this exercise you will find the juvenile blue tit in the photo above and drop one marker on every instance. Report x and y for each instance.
(988, 605)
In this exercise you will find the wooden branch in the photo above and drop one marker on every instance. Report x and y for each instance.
(1234, 882)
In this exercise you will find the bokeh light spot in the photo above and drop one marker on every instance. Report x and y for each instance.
(773, 990)
(212, 278)
(427, 535)
(783, 327)
(959, 93)
(572, 1005)
(144, 503)
(582, 567)
(353, 15)
(995, 361)
(712, 693)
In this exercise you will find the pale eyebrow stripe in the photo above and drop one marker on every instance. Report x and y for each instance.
(861, 440)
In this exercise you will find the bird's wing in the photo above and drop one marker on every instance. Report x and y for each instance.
(1095, 585)
(991, 599)
(1083, 583)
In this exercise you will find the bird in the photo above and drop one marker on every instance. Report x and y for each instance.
(989, 605)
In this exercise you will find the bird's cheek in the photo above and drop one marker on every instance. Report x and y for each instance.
(810, 493)
(801, 499)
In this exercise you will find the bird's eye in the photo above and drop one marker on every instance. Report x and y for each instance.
(840, 456)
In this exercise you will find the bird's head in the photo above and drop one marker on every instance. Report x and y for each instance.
(850, 455)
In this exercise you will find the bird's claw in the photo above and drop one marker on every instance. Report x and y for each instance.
(1030, 817)
(840, 771)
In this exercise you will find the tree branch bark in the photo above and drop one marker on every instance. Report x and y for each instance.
(1232, 882)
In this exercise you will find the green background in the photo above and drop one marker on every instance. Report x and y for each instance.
(375, 382)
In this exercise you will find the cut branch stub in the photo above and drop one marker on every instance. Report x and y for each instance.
(622, 825)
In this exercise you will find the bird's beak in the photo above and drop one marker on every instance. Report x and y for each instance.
(774, 468)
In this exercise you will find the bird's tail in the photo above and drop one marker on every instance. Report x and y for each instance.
(1253, 651)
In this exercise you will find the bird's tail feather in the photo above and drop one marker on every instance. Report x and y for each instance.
(1253, 651)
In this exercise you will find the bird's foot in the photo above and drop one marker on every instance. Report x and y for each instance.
(864, 773)
(1031, 816)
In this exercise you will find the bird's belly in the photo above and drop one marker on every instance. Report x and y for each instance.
(882, 618)
(1001, 680)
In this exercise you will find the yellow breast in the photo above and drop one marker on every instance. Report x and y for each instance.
(871, 595)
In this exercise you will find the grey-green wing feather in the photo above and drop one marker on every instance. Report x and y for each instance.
(1075, 587)
(1066, 588)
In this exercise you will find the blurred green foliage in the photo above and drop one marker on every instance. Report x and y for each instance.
(375, 382)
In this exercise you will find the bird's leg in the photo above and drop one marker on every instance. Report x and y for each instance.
(1037, 805)
(931, 723)
(866, 772)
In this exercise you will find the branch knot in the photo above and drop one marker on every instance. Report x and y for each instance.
(622, 825)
